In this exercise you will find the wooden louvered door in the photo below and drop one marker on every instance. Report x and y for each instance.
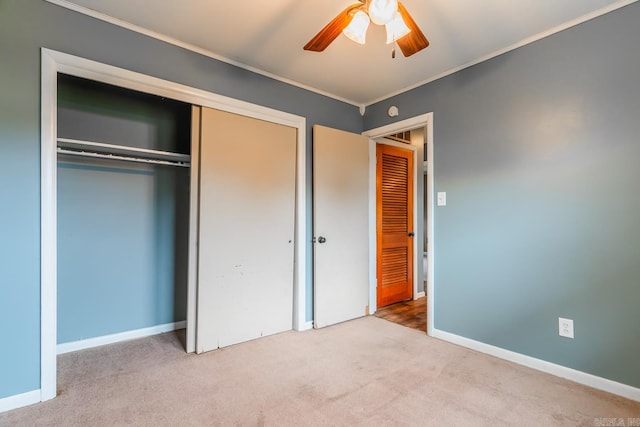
(394, 224)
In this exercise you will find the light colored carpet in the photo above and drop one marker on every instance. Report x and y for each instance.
(364, 372)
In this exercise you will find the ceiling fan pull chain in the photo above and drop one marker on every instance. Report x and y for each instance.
(393, 53)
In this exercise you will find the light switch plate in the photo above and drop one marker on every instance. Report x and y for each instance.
(442, 198)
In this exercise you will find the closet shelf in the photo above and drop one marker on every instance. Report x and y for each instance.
(77, 147)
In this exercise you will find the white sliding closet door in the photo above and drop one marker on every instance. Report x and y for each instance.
(246, 233)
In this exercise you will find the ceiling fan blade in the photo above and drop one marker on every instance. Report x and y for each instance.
(415, 41)
(332, 30)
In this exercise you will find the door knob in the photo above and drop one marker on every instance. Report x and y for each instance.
(321, 239)
(411, 234)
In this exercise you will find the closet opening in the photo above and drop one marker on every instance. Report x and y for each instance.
(161, 168)
(123, 200)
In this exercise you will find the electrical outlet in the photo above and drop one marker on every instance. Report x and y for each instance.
(565, 327)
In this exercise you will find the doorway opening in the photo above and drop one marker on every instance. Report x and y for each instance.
(415, 134)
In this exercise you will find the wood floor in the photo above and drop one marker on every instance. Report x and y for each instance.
(412, 314)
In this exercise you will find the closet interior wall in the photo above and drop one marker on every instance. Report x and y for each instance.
(123, 226)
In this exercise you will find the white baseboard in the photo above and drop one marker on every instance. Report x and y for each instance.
(419, 295)
(19, 400)
(122, 336)
(306, 326)
(544, 366)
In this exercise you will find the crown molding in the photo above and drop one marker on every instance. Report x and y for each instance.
(362, 105)
(521, 43)
(191, 47)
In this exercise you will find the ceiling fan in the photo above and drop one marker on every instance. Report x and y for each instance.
(354, 21)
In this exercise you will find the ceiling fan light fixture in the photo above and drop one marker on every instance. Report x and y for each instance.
(355, 19)
(396, 28)
(357, 29)
(382, 12)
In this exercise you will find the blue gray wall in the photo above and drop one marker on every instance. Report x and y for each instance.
(25, 27)
(122, 246)
(538, 152)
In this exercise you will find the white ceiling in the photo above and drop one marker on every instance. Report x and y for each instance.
(268, 35)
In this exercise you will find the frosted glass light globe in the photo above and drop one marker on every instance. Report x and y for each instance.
(357, 29)
(382, 11)
(396, 29)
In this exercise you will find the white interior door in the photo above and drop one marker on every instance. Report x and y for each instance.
(246, 232)
(341, 225)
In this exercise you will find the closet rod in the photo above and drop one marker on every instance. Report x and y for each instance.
(122, 158)
(101, 147)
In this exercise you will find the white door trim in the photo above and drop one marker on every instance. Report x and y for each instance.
(194, 227)
(425, 121)
(54, 62)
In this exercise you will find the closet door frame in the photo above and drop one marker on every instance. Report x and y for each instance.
(54, 62)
